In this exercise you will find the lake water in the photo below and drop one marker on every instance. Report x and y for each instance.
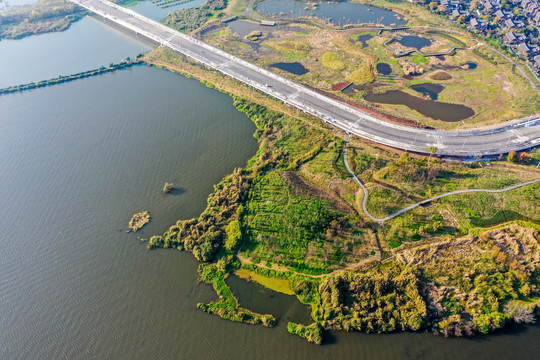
(77, 160)
(87, 44)
(338, 13)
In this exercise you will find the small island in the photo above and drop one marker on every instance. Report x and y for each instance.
(138, 221)
(168, 187)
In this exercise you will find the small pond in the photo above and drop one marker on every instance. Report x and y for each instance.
(363, 39)
(244, 28)
(433, 90)
(414, 41)
(338, 13)
(255, 297)
(434, 109)
(470, 65)
(294, 68)
(384, 69)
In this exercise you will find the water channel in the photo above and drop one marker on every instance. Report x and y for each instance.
(77, 160)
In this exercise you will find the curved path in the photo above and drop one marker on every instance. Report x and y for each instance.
(517, 136)
(425, 201)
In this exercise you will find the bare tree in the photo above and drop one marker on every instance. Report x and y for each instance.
(521, 313)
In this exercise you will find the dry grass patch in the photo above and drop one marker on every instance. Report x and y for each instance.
(331, 61)
(287, 46)
(362, 75)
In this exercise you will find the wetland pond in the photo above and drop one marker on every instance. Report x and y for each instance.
(434, 109)
(257, 298)
(430, 89)
(338, 13)
(384, 69)
(294, 68)
(363, 39)
(413, 41)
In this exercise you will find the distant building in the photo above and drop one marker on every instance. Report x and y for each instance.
(524, 50)
(509, 24)
(513, 38)
(478, 24)
(536, 63)
(500, 14)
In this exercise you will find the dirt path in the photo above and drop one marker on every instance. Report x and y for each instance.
(425, 201)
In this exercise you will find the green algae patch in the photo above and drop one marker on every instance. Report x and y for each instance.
(279, 285)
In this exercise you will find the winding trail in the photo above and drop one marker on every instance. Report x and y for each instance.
(425, 201)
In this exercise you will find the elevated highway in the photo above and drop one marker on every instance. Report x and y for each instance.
(517, 136)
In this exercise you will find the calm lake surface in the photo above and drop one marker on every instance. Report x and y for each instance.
(87, 44)
(76, 161)
(338, 13)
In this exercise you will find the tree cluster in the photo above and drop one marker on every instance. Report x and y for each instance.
(203, 236)
(193, 18)
(379, 301)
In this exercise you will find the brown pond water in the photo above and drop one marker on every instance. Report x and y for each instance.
(433, 109)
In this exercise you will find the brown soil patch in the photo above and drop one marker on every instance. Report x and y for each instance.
(301, 187)
(440, 75)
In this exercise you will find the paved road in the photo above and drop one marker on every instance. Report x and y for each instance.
(425, 201)
(518, 136)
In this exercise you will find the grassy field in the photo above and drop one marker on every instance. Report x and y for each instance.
(294, 231)
(279, 285)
